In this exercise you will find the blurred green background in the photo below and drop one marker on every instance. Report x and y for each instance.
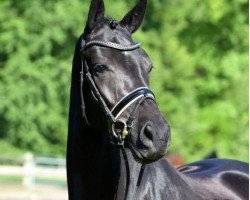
(200, 54)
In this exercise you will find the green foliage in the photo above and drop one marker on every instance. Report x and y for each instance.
(201, 75)
(37, 39)
(199, 50)
(8, 149)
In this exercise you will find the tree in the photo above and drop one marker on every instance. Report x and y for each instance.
(199, 50)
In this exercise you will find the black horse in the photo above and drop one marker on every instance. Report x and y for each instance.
(117, 134)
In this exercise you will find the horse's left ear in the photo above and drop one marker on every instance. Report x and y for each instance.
(133, 18)
(96, 12)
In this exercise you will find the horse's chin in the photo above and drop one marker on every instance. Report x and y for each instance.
(145, 156)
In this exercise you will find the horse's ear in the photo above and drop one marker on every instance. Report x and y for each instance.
(134, 17)
(96, 12)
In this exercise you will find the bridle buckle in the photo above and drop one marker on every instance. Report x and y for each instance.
(119, 129)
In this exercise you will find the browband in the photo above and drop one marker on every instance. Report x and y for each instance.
(111, 45)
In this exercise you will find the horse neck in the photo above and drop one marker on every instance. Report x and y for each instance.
(109, 167)
(95, 167)
(153, 178)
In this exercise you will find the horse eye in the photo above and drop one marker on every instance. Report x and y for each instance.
(100, 68)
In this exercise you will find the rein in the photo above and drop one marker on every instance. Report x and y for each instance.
(118, 129)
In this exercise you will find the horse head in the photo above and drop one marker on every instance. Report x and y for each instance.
(115, 94)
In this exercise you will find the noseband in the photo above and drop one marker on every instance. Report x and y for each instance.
(118, 129)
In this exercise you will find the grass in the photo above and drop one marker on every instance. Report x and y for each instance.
(10, 179)
(47, 180)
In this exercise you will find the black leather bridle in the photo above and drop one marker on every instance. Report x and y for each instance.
(118, 129)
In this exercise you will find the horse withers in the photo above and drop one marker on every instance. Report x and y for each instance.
(117, 135)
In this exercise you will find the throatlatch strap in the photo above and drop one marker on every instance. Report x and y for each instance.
(82, 84)
(82, 94)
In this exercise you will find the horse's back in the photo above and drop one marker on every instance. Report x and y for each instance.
(214, 166)
(228, 174)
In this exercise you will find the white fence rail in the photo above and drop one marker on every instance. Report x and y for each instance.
(31, 168)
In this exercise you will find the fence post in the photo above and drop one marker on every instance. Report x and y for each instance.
(28, 167)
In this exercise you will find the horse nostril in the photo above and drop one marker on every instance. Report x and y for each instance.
(148, 132)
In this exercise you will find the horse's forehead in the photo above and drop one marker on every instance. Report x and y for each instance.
(104, 32)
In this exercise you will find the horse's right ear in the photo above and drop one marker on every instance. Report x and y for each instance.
(96, 12)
